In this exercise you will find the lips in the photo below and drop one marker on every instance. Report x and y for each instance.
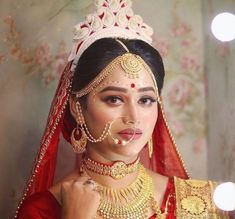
(128, 134)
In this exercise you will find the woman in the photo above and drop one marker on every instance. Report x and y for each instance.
(108, 107)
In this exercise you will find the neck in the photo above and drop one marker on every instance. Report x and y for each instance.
(106, 180)
(105, 158)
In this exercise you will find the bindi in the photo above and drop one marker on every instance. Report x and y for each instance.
(132, 85)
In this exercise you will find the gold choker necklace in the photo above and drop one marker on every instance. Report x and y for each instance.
(116, 170)
(130, 202)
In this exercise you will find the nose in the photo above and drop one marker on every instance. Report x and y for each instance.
(131, 114)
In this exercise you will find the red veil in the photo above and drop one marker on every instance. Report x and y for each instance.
(165, 159)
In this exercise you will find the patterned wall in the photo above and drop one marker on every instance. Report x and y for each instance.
(220, 69)
(35, 41)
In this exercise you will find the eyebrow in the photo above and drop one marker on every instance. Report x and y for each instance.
(143, 89)
(124, 90)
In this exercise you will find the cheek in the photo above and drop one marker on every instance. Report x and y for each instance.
(97, 114)
(149, 119)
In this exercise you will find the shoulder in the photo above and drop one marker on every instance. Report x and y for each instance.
(160, 185)
(159, 181)
(55, 189)
(45, 204)
(39, 205)
(195, 184)
(40, 199)
(194, 197)
(202, 188)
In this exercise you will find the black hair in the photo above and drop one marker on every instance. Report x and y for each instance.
(98, 55)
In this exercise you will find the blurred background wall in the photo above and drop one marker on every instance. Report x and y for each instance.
(219, 68)
(199, 97)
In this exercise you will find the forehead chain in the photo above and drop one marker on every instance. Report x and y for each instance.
(132, 65)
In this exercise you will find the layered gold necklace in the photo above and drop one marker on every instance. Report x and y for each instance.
(131, 202)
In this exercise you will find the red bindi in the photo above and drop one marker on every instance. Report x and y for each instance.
(132, 85)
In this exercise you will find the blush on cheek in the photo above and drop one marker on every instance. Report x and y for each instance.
(97, 118)
(150, 122)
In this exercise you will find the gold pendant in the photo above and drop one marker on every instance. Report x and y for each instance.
(130, 202)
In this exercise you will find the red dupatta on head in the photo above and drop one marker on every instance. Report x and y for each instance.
(165, 160)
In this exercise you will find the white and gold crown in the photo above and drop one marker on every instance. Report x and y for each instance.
(112, 18)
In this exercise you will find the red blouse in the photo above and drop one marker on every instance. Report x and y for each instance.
(44, 205)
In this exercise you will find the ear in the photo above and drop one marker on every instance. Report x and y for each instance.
(75, 111)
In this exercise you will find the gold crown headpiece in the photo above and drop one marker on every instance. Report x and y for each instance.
(112, 18)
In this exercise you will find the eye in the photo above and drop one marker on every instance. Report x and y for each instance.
(113, 100)
(147, 101)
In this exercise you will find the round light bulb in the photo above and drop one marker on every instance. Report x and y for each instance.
(223, 26)
(224, 196)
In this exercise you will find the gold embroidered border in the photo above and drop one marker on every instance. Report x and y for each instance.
(194, 200)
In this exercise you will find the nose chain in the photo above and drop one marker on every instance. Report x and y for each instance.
(85, 129)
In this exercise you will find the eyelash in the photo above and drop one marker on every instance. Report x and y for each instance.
(112, 100)
(152, 100)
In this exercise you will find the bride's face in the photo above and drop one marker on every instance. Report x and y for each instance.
(130, 105)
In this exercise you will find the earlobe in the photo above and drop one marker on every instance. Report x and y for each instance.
(74, 110)
(72, 106)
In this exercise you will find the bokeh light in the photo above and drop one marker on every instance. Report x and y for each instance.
(223, 26)
(224, 196)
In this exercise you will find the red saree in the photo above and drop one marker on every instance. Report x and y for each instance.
(43, 205)
(182, 199)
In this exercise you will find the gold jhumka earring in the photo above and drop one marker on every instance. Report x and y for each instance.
(82, 132)
(79, 146)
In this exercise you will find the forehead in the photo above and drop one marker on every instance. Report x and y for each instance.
(120, 76)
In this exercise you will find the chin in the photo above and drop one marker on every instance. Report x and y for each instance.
(127, 151)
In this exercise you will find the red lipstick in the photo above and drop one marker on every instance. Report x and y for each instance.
(128, 134)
